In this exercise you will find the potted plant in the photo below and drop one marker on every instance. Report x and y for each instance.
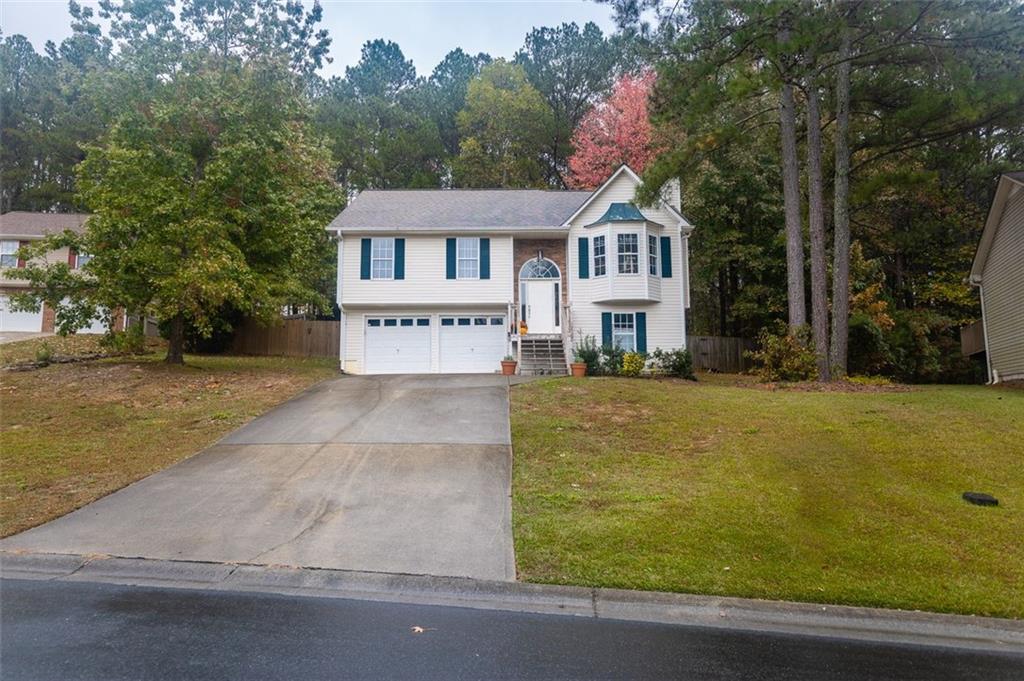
(508, 366)
(578, 366)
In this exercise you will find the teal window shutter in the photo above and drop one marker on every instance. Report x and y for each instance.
(641, 332)
(666, 257)
(606, 329)
(399, 258)
(584, 258)
(364, 259)
(485, 258)
(450, 259)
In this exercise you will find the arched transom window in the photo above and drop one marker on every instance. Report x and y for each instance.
(541, 268)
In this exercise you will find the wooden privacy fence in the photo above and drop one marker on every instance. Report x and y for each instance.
(292, 338)
(719, 353)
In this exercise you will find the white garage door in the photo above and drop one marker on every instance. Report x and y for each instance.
(397, 345)
(19, 321)
(472, 344)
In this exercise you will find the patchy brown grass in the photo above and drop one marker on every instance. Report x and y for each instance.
(72, 433)
(85, 345)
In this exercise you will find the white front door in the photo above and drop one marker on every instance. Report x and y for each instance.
(541, 306)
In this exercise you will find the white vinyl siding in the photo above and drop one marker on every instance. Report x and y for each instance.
(425, 280)
(661, 299)
(382, 258)
(1002, 290)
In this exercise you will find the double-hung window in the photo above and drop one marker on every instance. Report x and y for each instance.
(624, 331)
(600, 267)
(9, 253)
(652, 254)
(382, 258)
(629, 254)
(468, 258)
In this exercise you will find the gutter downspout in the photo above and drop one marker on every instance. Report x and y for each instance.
(992, 377)
(342, 327)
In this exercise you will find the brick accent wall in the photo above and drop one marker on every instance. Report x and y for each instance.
(526, 249)
(49, 319)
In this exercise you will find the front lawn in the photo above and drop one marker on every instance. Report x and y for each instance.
(727, 488)
(72, 433)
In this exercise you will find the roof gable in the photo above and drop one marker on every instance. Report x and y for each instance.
(625, 170)
(1008, 183)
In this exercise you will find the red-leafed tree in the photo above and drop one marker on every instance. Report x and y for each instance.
(616, 131)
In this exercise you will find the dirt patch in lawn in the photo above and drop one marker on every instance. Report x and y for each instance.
(71, 433)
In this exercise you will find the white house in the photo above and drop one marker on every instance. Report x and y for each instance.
(998, 271)
(438, 281)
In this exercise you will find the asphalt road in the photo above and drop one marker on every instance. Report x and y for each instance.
(69, 630)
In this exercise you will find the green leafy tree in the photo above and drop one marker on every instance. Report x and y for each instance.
(504, 129)
(210, 193)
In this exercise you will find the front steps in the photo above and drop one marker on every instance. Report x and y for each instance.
(542, 355)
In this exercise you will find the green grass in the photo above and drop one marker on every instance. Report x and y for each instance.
(72, 433)
(727, 488)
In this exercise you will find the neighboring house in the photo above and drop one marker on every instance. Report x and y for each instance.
(18, 228)
(438, 281)
(998, 272)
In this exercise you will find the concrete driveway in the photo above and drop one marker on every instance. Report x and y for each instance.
(403, 474)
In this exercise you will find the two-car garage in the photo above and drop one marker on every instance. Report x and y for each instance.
(434, 343)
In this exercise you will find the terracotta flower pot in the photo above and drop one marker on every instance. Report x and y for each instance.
(579, 369)
(508, 367)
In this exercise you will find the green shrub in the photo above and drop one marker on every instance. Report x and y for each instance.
(785, 357)
(44, 354)
(132, 341)
(611, 360)
(678, 362)
(633, 363)
(868, 351)
(586, 351)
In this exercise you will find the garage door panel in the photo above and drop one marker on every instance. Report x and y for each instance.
(397, 345)
(472, 344)
(19, 321)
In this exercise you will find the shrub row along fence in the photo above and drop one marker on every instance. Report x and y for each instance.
(303, 338)
(720, 353)
(291, 338)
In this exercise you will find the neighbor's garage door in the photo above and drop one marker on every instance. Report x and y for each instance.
(472, 344)
(397, 345)
(19, 321)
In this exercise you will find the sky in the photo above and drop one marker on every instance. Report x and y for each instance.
(426, 30)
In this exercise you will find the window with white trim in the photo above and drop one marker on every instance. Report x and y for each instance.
(600, 268)
(652, 254)
(629, 253)
(382, 258)
(467, 251)
(624, 331)
(81, 259)
(9, 253)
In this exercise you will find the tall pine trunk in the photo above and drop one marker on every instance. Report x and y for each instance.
(841, 213)
(816, 225)
(176, 341)
(791, 196)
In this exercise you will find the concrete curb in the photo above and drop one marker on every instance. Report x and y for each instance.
(864, 624)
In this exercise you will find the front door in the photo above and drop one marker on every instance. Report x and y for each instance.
(542, 306)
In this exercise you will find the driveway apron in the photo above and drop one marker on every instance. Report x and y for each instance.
(406, 474)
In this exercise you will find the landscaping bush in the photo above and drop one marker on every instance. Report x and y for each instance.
(44, 354)
(132, 341)
(586, 351)
(785, 357)
(678, 362)
(633, 363)
(611, 360)
(868, 352)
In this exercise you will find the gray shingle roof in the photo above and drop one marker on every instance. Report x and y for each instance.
(457, 209)
(27, 223)
(1016, 175)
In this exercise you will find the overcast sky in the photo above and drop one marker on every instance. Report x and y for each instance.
(426, 30)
